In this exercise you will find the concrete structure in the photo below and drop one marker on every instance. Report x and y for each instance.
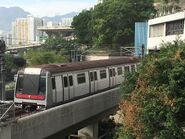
(165, 29)
(141, 34)
(66, 22)
(81, 112)
(24, 30)
(54, 31)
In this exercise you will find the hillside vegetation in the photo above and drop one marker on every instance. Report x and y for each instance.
(154, 98)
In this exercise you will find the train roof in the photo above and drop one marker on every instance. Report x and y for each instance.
(65, 67)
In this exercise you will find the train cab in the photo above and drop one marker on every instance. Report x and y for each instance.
(31, 87)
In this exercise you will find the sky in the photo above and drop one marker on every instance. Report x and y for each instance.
(49, 7)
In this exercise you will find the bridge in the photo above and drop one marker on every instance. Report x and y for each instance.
(57, 31)
(81, 115)
(9, 48)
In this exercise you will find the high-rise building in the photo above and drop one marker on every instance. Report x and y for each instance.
(24, 30)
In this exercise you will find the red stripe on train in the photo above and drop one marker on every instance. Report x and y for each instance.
(26, 96)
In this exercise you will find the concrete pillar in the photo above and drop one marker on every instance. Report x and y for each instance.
(5, 132)
(89, 132)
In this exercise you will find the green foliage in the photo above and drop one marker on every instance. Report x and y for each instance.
(129, 84)
(9, 63)
(108, 23)
(158, 96)
(83, 27)
(38, 57)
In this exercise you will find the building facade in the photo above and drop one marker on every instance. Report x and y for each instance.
(165, 29)
(24, 30)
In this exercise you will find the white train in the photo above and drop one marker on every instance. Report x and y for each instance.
(52, 84)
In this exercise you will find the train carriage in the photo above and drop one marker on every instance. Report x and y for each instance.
(52, 84)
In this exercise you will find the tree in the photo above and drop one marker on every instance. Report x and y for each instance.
(167, 6)
(108, 23)
(83, 26)
(39, 57)
(154, 104)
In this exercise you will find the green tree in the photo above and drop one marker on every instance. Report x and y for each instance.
(38, 57)
(108, 23)
(155, 105)
(83, 26)
(167, 6)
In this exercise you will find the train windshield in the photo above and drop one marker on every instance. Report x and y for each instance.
(31, 84)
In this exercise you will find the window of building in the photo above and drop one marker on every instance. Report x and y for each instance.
(81, 78)
(157, 30)
(119, 70)
(175, 27)
(103, 74)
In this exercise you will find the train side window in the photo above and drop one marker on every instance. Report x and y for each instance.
(132, 67)
(95, 75)
(103, 74)
(119, 70)
(81, 78)
(71, 80)
(42, 85)
(110, 72)
(113, 72)
(126, 69)
(65, 82)
(91, 76)
(53, 83)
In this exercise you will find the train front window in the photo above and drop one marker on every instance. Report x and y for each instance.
(31, 84)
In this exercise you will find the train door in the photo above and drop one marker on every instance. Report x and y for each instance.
(68, 87)
(93, 79)
(53, 89)
(59, 94)
(112, 77)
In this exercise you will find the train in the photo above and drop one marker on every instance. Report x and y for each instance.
(48, 85)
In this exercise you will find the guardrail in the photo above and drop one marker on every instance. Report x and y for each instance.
(7, 111)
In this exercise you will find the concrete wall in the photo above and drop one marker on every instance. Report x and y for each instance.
(53, 120)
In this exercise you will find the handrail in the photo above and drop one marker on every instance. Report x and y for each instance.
(8, 110)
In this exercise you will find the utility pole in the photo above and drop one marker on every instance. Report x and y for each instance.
(2, 74)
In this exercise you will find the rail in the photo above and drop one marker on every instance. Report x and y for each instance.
(7, 111)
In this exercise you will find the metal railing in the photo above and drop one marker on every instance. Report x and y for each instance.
(7, 111)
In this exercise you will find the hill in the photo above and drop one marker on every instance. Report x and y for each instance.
(8, 15)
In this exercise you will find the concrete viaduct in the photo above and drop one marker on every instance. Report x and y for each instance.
(80, 114)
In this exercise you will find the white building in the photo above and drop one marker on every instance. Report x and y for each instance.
(165, 29)
(24, 30)
(66, 22)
